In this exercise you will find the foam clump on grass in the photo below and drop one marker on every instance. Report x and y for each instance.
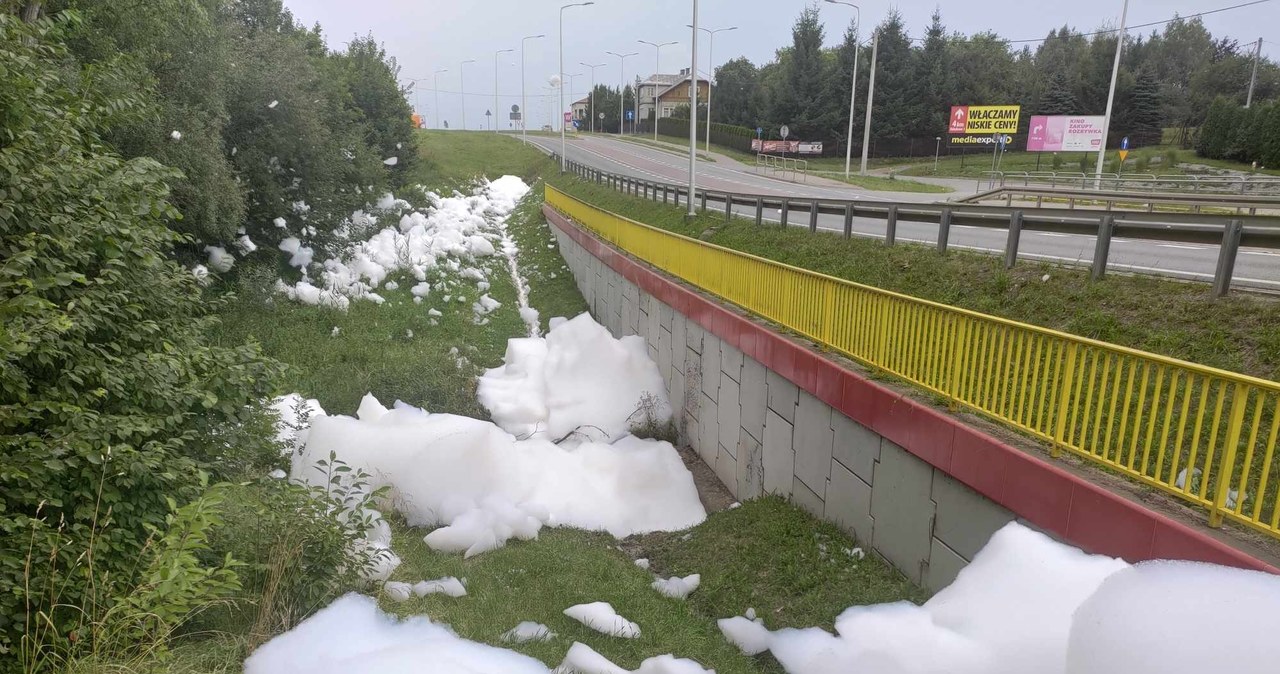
(582, 659)
(1008, 612)
(1029, 604)
(528, 631)
(1167, 617)
(483, 486)
(458, 227)
(601, 617)
(351, 636)
(676, 587)
(576, 380)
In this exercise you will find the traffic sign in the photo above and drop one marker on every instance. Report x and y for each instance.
(759, 132)
(784, 132)
(1124, 143)
(601, 115)
(568, 117)
(515, 108)
(631, 115)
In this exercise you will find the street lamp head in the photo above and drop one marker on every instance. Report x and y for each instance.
(530, 37)
(503, 51)
(576, 4)
(847, 4)
(442, 70)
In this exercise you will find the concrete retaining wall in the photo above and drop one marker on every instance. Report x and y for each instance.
(918, 487)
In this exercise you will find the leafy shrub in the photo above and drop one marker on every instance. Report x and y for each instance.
(1056, 161)
(112, 402)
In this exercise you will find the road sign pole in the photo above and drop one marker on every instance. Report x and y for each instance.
(1111, 96)
(693, 109)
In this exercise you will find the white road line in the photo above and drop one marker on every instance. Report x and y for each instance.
(1259, 252)
(1175, 245)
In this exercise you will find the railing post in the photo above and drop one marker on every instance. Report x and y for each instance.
(785, 208)
(1238, 400)
(1015, 234)
(891, 225)
(728, 208)
(664, 194)
(1064, 403)
(704, 201)
(813, 216)
(759, 211)
(944, 230)
(1102, 248)
(1227, 258)
(848, 220)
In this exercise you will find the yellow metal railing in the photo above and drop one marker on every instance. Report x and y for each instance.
(1207, 436)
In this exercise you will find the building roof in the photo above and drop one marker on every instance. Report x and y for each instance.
(585, 100)
(680, 81)
(664, 80)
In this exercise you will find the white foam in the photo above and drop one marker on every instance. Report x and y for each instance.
(676, 587)
(601, 617)
(351, 636)
(578, 379)
(528, 631)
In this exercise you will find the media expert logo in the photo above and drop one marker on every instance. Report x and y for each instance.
(961, 141)
(984, 119)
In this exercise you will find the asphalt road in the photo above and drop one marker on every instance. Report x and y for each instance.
(1255, 268)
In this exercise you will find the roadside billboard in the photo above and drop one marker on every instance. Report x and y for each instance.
(1065, 133)
(979, 119)
(788, 146)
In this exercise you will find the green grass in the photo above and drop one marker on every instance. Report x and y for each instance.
(765, 555)
(666, 146)
(454, 159)
(883, 184)
(1240, 332)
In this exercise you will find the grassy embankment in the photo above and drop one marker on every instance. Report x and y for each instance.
(763, 555)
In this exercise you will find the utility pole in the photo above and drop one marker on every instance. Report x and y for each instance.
(563, 161)
(693, 109)
(1253, 79)
(871, 96)
(1111, 96)
(711, 64)
(524, 104)
(462, 86)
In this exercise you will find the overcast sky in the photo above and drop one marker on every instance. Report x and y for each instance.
(426, 35)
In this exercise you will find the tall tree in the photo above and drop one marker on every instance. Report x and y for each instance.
(1144, 110)
(736, 81)
(1058, 98)
(803, 99)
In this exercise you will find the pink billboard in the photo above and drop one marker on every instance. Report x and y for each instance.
(1065, 133)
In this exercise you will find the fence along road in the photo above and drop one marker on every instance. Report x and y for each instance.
(1256, 266)
(1224, 249)
(1205, 435)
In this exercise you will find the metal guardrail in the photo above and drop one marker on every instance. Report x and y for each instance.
(1205, 435)
(1244, 184)
(784, 165)
(1227, 232)
(1111, 199)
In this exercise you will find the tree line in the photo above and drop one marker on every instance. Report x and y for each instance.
(1168, 80)
(133, 134)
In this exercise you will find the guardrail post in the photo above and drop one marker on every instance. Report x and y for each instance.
(1227, 258)
(944, 230)
(1102, 248)
(784, 210)
(891, 225)
(813, 216)
(1015, 234)
(728, 207)
(759, 211)
(664, 194)
(704, 201)
(848, 220)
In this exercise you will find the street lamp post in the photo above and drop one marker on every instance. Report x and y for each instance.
(462, 86)
(561, 71)
(937, 148)
(573, 86)
(436, 85)
(853, 86)
(622, 80)
(524, 104)
(693, 108)
(711, 64)
(657, 68)
(591, 109)
(495, 86)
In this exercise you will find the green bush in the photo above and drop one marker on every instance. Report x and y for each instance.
(112, 402)
(728, 135)
(1057, 161)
